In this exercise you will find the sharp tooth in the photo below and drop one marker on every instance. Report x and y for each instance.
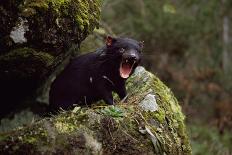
(126, 61)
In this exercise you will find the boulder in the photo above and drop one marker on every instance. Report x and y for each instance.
(150, 121)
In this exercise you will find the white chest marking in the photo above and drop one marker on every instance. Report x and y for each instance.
(91, 80)
(105, 77)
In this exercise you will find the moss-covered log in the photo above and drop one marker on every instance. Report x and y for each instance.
(35, 37)
(150, 122)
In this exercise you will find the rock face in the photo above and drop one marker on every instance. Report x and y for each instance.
(150, 122)
(35, 36)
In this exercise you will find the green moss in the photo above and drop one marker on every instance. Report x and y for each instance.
(85, 13)
(25, 53)
(160, 115)
(26, 62)
(64, 127)
(31, 140)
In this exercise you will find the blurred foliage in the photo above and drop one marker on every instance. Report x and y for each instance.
(189, 31)
(209, 142)
(184, 45)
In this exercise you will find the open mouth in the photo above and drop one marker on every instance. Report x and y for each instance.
(126, 67)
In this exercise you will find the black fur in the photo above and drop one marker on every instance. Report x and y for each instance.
(93, 76)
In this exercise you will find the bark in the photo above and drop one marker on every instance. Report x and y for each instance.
(150, 122)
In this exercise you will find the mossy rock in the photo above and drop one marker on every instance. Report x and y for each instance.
(36, 36)
(48, 25)
(150, 122)
(52, 27)
(29, 63)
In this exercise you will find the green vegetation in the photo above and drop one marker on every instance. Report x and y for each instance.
(112, 111)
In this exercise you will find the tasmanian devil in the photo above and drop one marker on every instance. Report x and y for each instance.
(93, 76)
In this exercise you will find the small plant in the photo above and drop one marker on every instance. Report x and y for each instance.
(112, 111)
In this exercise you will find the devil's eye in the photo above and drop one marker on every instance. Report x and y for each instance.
(121, 50)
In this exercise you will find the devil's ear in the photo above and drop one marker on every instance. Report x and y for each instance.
(141, 44)
(109, 41)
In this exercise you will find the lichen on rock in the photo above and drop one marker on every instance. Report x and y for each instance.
(149, 103)
(17, 33)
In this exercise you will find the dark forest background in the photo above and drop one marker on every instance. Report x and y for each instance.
(188, 46)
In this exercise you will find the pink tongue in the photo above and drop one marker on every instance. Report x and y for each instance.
(125, 70)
